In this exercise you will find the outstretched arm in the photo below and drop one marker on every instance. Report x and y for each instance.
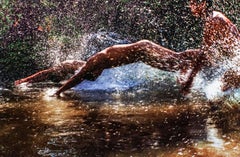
(60, 71)
(145, 51)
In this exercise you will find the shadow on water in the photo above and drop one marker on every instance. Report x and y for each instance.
(47, 126)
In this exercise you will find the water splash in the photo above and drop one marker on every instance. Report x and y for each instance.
(137, 81)
(126, 77)
(208, 82)
(225, 57)
(80, 48)
(49, 94)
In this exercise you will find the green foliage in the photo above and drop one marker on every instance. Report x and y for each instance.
(16, 60)
(5, 16)
(18, 38)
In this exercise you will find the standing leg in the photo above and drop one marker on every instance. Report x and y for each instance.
(192, 62)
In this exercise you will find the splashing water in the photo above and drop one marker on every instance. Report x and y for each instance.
(136, 80)
(126, 77)
(208, 81)
(83, 47)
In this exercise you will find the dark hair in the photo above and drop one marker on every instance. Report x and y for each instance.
(209, 3)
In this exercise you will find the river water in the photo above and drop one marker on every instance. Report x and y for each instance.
(40, 125)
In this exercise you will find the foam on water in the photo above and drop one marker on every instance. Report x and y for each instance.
(213, 90)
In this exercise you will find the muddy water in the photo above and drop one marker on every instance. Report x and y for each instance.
(47, 126)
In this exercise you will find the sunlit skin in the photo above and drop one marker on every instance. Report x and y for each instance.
(59, 71)
(188, 63)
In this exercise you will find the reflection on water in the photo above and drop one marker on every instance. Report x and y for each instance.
(47, 126)
(213, 135)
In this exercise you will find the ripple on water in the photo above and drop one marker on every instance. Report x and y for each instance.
(48, 126)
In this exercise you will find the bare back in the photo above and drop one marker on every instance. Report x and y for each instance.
(220, 37)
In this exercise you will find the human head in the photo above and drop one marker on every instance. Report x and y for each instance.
(199, 8)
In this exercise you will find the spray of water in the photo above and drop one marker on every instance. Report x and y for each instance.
(225, 58)
(79, 48)
(208, 81)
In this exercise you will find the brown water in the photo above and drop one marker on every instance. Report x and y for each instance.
(47, 126)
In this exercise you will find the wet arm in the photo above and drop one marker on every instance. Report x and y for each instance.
(60, 70)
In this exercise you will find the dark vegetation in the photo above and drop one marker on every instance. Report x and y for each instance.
(27, 26)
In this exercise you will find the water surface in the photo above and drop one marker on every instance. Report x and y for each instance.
(47, 126)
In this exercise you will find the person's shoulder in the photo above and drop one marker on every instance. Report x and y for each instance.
(220, 17)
